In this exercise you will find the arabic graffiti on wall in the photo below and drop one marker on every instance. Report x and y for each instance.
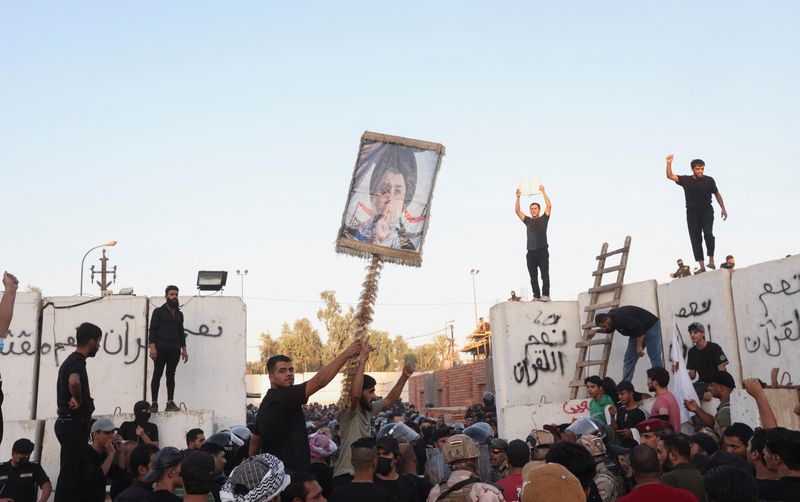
(542, 351)
(779, 327)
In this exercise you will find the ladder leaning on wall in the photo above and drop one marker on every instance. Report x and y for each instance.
(594, 295)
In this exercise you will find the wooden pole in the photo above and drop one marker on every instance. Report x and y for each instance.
(369, 293)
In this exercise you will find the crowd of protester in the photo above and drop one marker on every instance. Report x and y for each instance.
(380, 449)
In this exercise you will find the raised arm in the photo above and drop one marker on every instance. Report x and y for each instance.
(516, 207)
(394, 394)
(10, 284)
(721, 203)
(326, 374)
(547, 205)
(670, 176)
(706, 418)
(765, 413)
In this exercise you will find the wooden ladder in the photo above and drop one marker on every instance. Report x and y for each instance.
(593, 307)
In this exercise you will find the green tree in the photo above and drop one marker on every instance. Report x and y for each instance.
(267, 348)
(253, 367)
(424, 358)
(302, 343)
(381, 357)
(338, 324)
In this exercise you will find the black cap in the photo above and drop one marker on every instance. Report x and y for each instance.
(518, 453)
(23, 446)
(141, 406)
(389, 444)
(198, 466)
(722, 378)
(165, 458)
(441, 432)
(705, 442)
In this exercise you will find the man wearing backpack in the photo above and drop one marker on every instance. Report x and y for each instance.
(464, 484)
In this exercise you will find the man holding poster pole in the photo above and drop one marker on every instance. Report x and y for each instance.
(538, 256)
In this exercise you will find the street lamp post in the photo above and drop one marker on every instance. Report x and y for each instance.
(107, 244)
(475, 272)
(242, 274)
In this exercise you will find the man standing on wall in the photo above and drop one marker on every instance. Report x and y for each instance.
(10, 284)
(697, 189)
(538, 256)
(75, 407)
(167, 346)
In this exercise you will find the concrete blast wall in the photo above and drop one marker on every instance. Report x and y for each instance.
(534, 355)
(767, 299)
(19, 359)
(216, 340)
(116, 373)
(707, 299)
(752, 313)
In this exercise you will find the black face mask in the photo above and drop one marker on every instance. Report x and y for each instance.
(384, 466)
(142, 417)
(173, 303)
(24, 461)
(426, 432)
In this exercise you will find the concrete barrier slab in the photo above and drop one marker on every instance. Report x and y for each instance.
(534, 354)
(767, 299)
(216, 342)
(18, 429)
(19, 358)
(705, 298)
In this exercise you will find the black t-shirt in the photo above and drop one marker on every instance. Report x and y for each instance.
(324, 475)
(786, 489)
(19, 483)
(138, 491)
(627, 419)
(93, 484)
(282, 426)
(537, 231)
(74, 363)
(163, 496)
(697, 191)
(128, 431)
(361, 492)
(630, 320)
(705, 362)
(403, 487)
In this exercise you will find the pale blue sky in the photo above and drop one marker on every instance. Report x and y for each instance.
(222, 135)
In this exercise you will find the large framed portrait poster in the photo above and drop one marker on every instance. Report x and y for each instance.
(389, 204)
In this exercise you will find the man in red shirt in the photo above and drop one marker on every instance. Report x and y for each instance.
(645, 467)
(665, 406)
(517, 455)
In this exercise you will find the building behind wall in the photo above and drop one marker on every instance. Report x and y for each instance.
(459, 386)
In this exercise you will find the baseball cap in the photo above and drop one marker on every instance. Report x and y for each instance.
(103, 424)
(257, 479)
(197, 467)
(389, 444)
(518, 453)
(722, 378)
(696, 326)
(22, 445)
(165, 458)
(549, 482)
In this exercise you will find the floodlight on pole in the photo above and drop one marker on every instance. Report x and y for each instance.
(107, 244)
(475, 272)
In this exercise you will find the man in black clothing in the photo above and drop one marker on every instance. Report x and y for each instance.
(281, 422)
(643, 330)
(697, 190)
(166, 474)
(628, 415)
(167, 345)
(139, 466)
(704, 359)
(362, 488)
(782, 454)
(140, 429)
(99, 462)
(19, 477)
(386, 475)
(538, 256)
(75, 407)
